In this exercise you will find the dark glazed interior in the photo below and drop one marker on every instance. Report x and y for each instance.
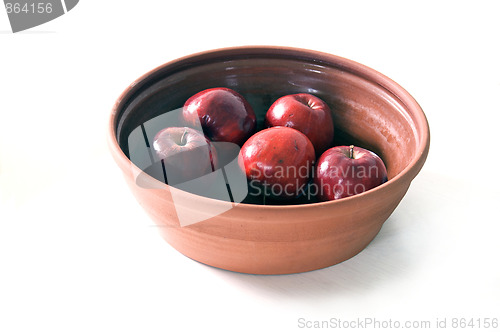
(365, 113)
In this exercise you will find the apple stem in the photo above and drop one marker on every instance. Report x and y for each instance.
(183, 142)
(351, 151)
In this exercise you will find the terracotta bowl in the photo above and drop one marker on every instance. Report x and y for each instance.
(369, 110)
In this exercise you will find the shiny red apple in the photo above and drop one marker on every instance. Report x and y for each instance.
(185, 152)
(224, 114)
(277, 162)
(306, 113)
(344, 171)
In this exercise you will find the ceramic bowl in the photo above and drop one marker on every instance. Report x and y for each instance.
(369, 110)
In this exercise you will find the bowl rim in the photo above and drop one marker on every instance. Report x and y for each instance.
(405, 175)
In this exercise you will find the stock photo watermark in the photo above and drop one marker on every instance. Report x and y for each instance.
(463, 323)
(26, 14)
(289, 181)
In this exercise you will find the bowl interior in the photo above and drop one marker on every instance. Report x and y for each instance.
(365, 112)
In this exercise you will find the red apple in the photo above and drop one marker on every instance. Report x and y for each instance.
(277, 162)
(186, 153)
(224, 114)
(344, 171)
(306, 113)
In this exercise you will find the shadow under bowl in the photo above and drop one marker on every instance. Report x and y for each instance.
(369, 110)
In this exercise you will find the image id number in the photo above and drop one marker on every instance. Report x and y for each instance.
(474, 323)
(38, 8)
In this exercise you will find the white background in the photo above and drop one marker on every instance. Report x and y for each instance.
(77, 253)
